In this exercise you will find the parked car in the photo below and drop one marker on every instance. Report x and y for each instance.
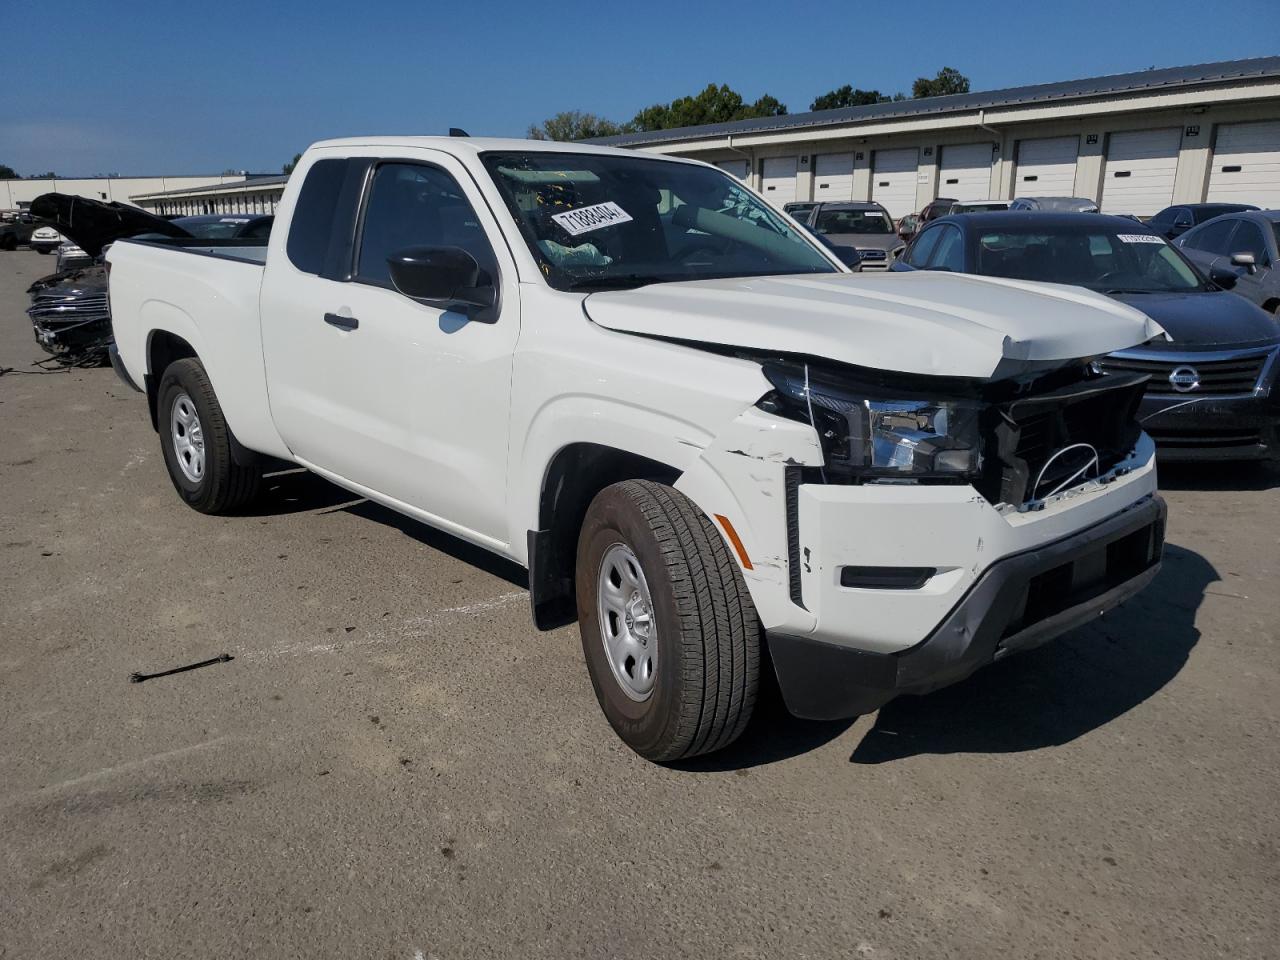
(1174, 221)
(980, 206)
(1245, 244)
(227, 226)
(799, 209)
(1213, 391)
(45, 239)
(70, 257)
(15, 231)
(939, 207)
(69, 315)
(864, 226)
(694, 427)
(1054, 204)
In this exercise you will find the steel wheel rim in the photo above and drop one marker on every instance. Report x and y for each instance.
(627, 626)
(188, 437)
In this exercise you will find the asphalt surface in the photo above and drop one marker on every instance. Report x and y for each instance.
(395, 764)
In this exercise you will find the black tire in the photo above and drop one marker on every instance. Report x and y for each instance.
(706, 631)
(224, 485)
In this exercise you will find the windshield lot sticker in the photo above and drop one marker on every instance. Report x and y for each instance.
(595, 217)
(1138, 238)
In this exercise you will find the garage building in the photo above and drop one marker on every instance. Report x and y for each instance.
(1133, 142)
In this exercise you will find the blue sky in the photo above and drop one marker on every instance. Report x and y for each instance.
(176, 87)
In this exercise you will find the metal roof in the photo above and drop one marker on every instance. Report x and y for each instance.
(253, 182)
(1143, 81)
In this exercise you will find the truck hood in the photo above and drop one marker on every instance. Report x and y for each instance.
(939, 324)
(92, 224)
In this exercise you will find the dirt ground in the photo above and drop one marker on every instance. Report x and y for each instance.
(395, 764)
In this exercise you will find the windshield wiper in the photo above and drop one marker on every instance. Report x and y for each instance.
(625, 281)
(1126, 290)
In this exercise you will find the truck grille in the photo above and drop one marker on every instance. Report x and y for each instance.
(1041, 441)
(1215, 376)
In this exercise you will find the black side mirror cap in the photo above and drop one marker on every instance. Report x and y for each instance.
(447, 277)
(1223, 277)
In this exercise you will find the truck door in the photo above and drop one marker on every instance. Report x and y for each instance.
(407, 400)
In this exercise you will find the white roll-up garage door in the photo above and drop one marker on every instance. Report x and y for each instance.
(966, 171)
(833, 177)
(1246, 165)
(735, 168)
(1046, 168)
(1141, 166)
(778, 183)
(893, 180)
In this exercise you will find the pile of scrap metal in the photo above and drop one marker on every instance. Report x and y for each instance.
(69, 311)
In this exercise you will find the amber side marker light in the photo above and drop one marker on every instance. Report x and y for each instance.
(734, 539)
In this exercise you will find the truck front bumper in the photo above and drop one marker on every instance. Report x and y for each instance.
(1018, 602)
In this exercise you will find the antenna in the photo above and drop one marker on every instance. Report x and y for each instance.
(458, 132)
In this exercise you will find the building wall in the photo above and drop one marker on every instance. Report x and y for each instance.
(1196, 119)
(103, 188)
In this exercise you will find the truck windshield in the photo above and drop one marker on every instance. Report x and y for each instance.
(1093, 257)
(605, 222)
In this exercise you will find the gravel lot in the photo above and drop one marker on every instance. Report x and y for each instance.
(396, 764)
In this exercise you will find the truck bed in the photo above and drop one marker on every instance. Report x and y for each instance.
(249, 251)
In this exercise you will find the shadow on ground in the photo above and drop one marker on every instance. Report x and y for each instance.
(1248, 475)
(1064, 690)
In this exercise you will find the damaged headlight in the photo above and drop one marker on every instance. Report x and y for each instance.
(879, 436)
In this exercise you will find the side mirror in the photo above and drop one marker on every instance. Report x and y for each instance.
(1245, 260)
(1223, 277)
(443, 277)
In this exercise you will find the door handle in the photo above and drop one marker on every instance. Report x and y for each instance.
(342, 323)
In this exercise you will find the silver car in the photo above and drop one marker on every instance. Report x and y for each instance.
(865, 226)
(1054, 204)
(1246, 244)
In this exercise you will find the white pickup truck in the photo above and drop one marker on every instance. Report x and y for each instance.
(707, 441)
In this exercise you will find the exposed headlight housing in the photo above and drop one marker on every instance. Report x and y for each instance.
(874, 434)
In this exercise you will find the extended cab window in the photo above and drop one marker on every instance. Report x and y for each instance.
(414, 205)
(313, 216)
(949, 254)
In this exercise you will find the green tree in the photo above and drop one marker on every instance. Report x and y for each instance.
(948, 80)
(43, 176)
(288, 167)
(7, 172)
(714, 104)
(848, 96)
(575, 125)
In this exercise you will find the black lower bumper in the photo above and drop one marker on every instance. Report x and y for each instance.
(1020, 602)
(1212, 428)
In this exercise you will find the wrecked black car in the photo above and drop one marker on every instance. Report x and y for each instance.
(70, 317)
(69, 313)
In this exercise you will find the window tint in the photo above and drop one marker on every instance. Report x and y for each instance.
(949, 254)
(918, 255)
(260, 230)
(312, 222)
(853, 221)
(1248, 239)
(1164, 218)
(411, 205)
(1213, 237)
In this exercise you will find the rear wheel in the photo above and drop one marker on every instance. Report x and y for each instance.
(670, 635)
(196, 442)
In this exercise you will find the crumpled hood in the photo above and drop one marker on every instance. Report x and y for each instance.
(939, 324)
(92, 224)
(1202, 319)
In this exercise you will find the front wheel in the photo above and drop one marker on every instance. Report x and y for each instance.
(670, 634)
(196, 442)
